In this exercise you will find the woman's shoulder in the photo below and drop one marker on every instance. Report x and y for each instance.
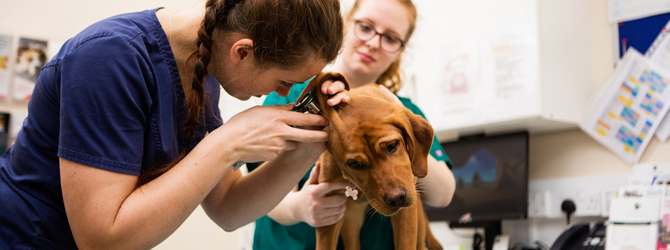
(407, 102)
(122, 31)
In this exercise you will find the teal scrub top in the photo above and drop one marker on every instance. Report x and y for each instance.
(376, 227)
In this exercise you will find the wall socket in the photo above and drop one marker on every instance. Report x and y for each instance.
(591, 195)
(587, 202)
(539, 204)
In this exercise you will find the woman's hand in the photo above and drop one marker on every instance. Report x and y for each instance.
(337, 90)
(313, 207)
(263, 132)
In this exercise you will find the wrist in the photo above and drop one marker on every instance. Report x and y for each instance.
(295, 210)
(228, 153)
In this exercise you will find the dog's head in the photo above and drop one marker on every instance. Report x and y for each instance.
(378, 144)
(30, 58)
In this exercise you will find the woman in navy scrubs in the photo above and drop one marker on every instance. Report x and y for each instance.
(124, 138)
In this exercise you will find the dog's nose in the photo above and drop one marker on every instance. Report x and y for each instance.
(397, 197)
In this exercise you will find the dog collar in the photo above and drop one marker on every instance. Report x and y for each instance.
(306, 105)
(351, 191)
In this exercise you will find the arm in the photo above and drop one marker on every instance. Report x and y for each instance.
(439, 185)
(236, 201)
(310, 204)
(105, 210)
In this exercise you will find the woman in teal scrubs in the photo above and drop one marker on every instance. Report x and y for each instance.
(377, 33)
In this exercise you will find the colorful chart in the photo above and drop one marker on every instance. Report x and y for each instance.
(630, 107)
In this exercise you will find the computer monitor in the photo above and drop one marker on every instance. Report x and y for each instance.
(4, 132)
(491, 175)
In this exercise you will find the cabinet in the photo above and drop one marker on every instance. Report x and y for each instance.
(488, 66)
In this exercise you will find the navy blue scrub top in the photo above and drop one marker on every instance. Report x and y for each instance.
(111, 99)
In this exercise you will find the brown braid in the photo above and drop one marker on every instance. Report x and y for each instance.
(285, 34)
(215, 15)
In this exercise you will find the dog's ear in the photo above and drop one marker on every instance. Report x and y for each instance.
(419, 139)
(320, 99)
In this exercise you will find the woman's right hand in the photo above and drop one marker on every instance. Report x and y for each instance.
(312, 204)
(263, 132)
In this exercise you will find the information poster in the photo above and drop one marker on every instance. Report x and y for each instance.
(31, 55)
(5, 73)
(659, 53)
(460, 84)
(630, 107)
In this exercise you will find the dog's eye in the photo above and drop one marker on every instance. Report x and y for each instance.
(392, 147)
(354, 164)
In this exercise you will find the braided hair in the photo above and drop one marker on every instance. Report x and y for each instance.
(285, 33)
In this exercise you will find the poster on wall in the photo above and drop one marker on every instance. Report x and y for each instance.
(509, 72)
(630, 107)
(487, 78)
(459, 84)
(5, 73)
(31, 55)
(659, 53)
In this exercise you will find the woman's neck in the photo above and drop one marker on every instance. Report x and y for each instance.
(181, 27)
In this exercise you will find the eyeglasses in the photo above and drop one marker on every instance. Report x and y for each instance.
(365, 31)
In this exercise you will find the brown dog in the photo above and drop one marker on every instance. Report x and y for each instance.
(379, 147)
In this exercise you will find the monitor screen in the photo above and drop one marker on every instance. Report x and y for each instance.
(4, 132)
(491, 175)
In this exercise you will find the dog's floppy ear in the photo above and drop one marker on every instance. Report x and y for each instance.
(419, 139)
(320, 98)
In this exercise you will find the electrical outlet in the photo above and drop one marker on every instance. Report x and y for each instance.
(587, 202)
(538, 204)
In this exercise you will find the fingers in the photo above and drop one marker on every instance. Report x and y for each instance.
(314, 176)
(341, 97)
(331, 87)
(328, 187)
(329, 216)
(337, 90)
(330, 210)
(305, 120)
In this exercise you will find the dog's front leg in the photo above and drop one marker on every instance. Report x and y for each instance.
(326, 237)
(353, 221)
(405, 228)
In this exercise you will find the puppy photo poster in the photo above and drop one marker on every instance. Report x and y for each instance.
(5, 54)
(31, 55)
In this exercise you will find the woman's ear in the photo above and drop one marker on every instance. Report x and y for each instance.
(241, 50)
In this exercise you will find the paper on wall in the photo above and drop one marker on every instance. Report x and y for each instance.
(659, 53)
(31, 55)
(626, 10)
(630, 107)
(5, 55)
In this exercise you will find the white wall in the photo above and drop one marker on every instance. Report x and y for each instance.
(557, 155)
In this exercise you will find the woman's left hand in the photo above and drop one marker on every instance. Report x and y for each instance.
(337, 90)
